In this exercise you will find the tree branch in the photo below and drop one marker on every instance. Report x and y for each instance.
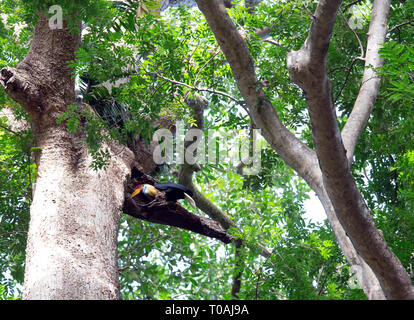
(11, 131)
(350, 5)
(186, 178)
(361, 47)
(294, 152)
(224, 94)
(346, 78)
(169, 213)
(313, 79)
(400, 25)
(187, 171)
(370, 81)
(307, 68)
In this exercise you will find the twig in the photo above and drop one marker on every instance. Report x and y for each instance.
(361, 47)
(272, 42)
(193, 87)
(346, 78)
(196, 88)
(400, 25)
(350, 5)
(11, 131)
(205, 64)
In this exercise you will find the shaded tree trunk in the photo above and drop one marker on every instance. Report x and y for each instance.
(75, 213)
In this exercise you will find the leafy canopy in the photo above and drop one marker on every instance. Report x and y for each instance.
(167, 57)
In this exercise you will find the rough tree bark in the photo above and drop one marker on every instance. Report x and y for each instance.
(73, 206)
(326, 170)
(74, 217)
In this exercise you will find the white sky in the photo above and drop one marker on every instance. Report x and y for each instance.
(314, 209)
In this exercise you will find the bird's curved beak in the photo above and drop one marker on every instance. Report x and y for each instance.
(137, 191)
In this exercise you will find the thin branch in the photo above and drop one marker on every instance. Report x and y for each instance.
(273, 42)
(400, 25)
(193, 87)
(346, 78)
(196, 88)
(11, 131)
(350, 5)
(361, 47)
(205, 64)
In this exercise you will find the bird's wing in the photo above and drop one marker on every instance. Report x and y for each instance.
(170, 185)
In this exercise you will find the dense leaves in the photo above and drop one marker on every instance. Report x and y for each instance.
(152, 61)
(17, 173)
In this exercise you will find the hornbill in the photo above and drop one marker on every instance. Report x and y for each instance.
(173, 191)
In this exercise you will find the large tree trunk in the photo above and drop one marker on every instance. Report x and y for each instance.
(72, 241)
(74, 217)
(75, 214)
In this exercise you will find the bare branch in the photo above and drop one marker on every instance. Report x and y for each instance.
(346, 78)
(370, 81)
(398, 26)
(224, 94)
(350, 5)
(361, 47)
(307, 68)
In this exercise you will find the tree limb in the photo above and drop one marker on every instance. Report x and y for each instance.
(368, 92)
(298, 156)
(398, 26)
(293, 151)
(169, 213)
(307, 68)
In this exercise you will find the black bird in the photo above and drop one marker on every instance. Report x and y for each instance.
(173, 191)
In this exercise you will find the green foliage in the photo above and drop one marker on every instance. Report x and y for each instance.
(164, 56)
(384, 166)
(4, 295)
(17, 173)
(73, 12)
(399, 71)
(95, 129)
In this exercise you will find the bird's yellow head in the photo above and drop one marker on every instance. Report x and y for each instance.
(146, 189)
(137, 190)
